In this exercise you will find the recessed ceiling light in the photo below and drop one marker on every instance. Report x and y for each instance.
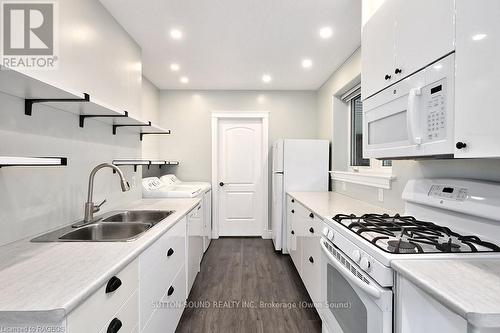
(176, 34)
(174, 67)
(307, 63)
(184, 80)
(267, 78)
(325, 32)
(479, 37)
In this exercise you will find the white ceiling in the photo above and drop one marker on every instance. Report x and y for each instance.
(230, 44)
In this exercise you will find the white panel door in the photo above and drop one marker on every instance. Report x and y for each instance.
(477, 79)
(425, 32)
(240, 177)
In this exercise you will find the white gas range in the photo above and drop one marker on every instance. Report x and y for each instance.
(444, 218)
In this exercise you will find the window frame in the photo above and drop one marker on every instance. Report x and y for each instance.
(376, 166)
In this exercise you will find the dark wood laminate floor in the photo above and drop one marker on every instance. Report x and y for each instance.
(245, 286)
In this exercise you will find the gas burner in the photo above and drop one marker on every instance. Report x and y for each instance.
(401, 246)
(407, 235)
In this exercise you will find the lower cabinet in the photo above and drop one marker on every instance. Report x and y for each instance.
(207, 219)
(194, 244)
(110, 306)
(304, 246)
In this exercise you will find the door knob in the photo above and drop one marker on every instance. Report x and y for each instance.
(221, 183)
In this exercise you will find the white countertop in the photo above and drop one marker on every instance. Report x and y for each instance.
(329, 204)
(52, 279)
(470, 288)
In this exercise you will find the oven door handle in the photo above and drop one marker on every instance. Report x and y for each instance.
(372, 291)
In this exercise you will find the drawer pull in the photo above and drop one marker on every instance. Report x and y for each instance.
(113, 284)
(293, 200)
(170, 252)
(311, 260)
(311, 230)
(311, 215)
(293, 232)
(114, 326)
(293, 211)
(170, 291)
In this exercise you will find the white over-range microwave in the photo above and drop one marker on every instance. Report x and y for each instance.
(413, 118)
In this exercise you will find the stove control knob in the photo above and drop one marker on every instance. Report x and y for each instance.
(356, 255)
(330, 236)
(365, 264)
(325, 231)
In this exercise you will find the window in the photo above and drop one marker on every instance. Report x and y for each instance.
(357, 133)
(356, 161)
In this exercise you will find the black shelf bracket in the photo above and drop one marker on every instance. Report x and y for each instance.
(154, 133)
(28, 103)
(115, 127)
(85, 116)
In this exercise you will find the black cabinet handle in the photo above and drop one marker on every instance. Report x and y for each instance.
(311, 230)
(398, 71)
(461, 145)
(221, 183)
(387, 77)
(311, 260)
(293, 200)
(113, 284)
(114, 326)
(170, 291)
(311, 215)
(293, 211)
(170, 252)
(293, 232)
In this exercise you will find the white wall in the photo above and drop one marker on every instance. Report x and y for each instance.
(99, 57)
(188, 114)
(333, 125)
(150, 110)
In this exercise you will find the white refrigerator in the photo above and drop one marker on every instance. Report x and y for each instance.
(298, 165)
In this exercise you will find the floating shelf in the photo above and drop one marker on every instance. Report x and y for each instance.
(148, 163)
(8, 161)
(34, 91)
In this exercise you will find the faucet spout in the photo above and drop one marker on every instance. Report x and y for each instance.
(90, 207)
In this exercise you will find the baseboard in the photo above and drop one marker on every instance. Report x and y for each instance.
(267, 234)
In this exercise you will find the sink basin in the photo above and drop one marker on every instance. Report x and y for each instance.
(117, 226)
(144, 216)
(101, 232)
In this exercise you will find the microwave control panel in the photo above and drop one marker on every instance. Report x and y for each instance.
(435, 107)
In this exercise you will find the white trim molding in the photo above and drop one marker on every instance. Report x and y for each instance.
(368, 179)
(264, 116)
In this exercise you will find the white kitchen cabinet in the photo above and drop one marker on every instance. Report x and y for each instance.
(295, 245)
(403, 37)
(377, 52)
(207, 219)
(417, 312)
(311, 256)
(477, 78)
(100, 308)
(126, 319)
(194, 244)
(159, 265)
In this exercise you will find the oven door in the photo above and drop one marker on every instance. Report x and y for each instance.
(355, 303)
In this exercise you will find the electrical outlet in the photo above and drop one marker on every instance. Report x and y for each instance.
(380, 195)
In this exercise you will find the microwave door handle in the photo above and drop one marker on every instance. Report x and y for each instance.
(370, 290)
(413, 99)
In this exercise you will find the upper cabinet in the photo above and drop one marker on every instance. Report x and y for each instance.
(477, 78)
(402, 37)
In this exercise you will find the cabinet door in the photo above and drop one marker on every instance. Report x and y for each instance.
(377, 53)
(295, 242)
(425, 32)
(311, 258)
(477, 78)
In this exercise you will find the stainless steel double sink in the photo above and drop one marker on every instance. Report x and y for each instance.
(116, 226)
